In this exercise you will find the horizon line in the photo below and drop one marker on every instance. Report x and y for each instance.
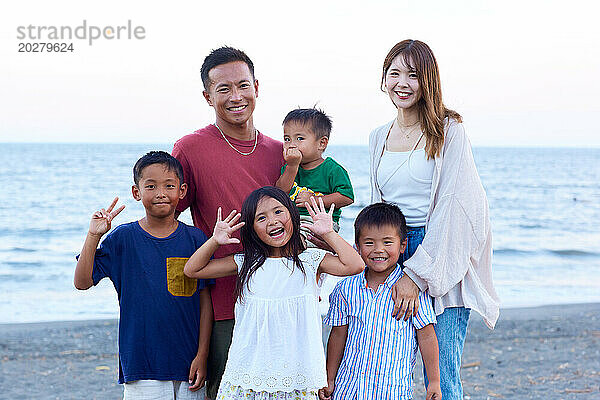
(514, 146)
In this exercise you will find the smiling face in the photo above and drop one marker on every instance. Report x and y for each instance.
(273, 224)
(232, 93)
(402, 83)
(159, 190)
(380, 247)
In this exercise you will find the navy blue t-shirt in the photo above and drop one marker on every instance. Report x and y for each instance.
(159, 305)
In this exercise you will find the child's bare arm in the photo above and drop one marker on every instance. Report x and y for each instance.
(197, 374)
(338, 199)
(99, 225)
(200, 266)
(292, 157)
(334, 198)
(428, 346)
(347, 261)
(335, 353)
(286, 180)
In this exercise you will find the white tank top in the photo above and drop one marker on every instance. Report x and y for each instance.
(404, 178)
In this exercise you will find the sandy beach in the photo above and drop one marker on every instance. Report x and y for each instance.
(550, 352)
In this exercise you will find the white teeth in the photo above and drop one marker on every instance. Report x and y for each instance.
(379, 258)
(276, 232)
(239, 108)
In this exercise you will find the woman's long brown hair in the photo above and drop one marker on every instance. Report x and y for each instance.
(432, 111)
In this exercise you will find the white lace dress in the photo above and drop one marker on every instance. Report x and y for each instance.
(276, 350)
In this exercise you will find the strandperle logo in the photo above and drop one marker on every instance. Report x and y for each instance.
(87, 32)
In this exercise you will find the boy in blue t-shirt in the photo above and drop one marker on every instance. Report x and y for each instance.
(165, 317)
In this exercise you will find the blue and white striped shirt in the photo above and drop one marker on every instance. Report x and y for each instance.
(380, 351)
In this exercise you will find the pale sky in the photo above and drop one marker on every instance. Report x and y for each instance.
(522, 73)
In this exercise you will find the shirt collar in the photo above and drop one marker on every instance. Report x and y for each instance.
(389, 281)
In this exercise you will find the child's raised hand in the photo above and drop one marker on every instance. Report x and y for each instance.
(322, 220)
(225, 228)
(101, 219)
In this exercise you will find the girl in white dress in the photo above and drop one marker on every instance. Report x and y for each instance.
(276, 350)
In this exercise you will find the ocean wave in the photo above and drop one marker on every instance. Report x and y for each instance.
(561, 253)
(574, 253)
(18, 250)
(16, 277)
(23, 264)
(531, 226)
(514, 252)
(23, 233)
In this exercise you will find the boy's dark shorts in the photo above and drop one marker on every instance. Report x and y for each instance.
(220, 341)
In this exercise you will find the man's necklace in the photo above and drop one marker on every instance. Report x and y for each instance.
(230, 145)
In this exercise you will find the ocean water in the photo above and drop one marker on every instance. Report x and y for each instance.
(545, 210)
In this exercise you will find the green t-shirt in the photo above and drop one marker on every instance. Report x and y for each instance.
(329, 177)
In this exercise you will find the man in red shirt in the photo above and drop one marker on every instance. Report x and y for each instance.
(222, 164)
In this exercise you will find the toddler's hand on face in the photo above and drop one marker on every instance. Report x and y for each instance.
(224, 228)
(322, 220)
(292, 156)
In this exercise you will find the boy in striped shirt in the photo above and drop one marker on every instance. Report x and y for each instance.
(370, 354)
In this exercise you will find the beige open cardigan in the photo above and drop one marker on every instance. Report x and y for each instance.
(454, 261)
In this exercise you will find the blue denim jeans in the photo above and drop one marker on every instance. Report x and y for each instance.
(451, 329)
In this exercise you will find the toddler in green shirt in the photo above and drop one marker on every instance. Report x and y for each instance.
(306, 173)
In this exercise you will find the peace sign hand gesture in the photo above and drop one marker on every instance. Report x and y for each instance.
(322, 220)
(225, 228)
(101, 219)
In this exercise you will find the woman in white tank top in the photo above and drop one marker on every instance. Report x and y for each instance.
(422, 161)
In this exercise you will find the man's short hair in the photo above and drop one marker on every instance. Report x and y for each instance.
(380, 214)
(320, 123)
(220, 56)
(157, 157)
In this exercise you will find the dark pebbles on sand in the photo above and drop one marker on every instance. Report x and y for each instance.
(550, 352)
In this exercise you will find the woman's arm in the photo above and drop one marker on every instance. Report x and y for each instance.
(458, 224)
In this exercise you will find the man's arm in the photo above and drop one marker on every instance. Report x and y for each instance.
(335, 353)
(197, 374)
(428, 346)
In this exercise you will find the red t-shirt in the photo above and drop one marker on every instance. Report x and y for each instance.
(218, 176)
